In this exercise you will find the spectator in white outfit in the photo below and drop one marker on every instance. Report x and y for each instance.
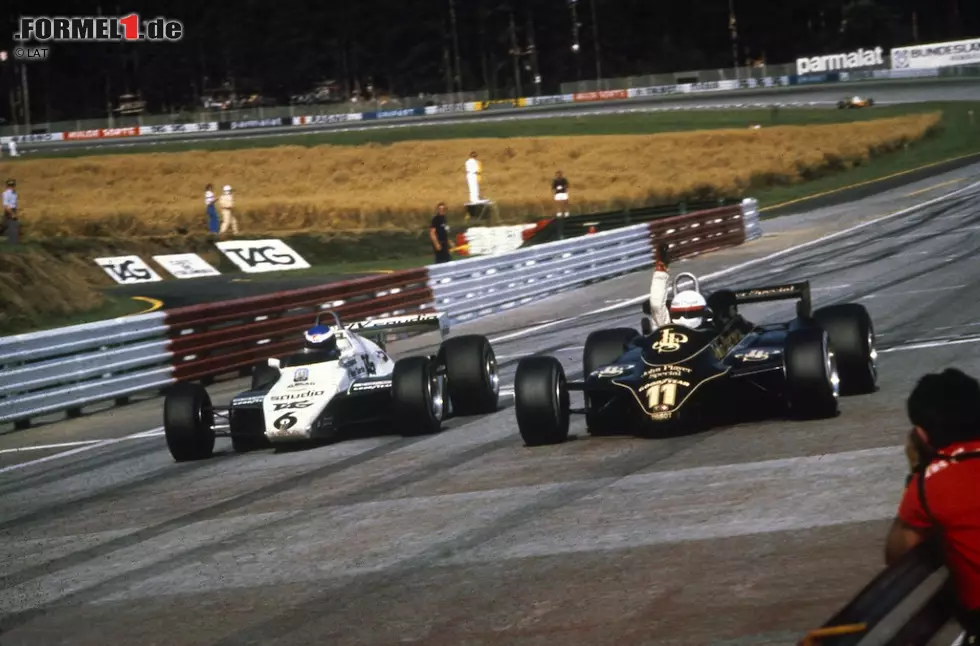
(473, 171)
(10, 224)
(228, 219)
(560, 187)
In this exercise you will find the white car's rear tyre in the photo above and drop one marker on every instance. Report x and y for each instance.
(417, 397)
(471, 370)
(188, 422)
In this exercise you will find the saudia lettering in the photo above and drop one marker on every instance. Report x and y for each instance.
(290, 396)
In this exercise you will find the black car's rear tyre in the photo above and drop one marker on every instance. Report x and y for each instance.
(852, 338)
(812, 381)
(541, 401)
(472, 374)
(603, 347)
(188, 422)
(416, 396)
(264, 376)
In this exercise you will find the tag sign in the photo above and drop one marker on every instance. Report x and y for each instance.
(127, 270)
(186, 265)
(258, 256)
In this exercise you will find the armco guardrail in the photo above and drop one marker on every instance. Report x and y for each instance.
(65, 369)
(475, 287)
(906, 604)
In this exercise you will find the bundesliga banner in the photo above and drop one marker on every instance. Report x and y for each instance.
(920, 57)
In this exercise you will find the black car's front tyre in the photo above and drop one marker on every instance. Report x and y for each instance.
(472, 374)
(541, 401)
(417, 396)
(812, 380)
(852, 338)
(188, 422)
(603, 347)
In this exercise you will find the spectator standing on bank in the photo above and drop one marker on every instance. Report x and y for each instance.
(559, 187)
(11, 224)
(439, 234)
(228, 219)
(212, 210)
(942, 497)
(473, 171)
(12, 147)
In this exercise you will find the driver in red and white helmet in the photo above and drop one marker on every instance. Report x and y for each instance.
(688, 309)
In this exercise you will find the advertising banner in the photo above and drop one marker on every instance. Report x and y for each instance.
(859, 59)
(127, 270)
(178, 128)
(258, 256)
(41, 136)
(186, 265)
(959, 52)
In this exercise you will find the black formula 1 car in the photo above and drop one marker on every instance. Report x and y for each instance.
(308, 396)
(677, 379)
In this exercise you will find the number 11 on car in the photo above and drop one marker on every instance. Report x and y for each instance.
(665, 393)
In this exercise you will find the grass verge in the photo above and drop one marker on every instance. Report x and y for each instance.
(331, 188)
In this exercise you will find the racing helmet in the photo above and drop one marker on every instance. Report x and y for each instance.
(322, 339)
(688, 309)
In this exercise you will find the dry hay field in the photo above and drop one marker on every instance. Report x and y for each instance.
(396, 186)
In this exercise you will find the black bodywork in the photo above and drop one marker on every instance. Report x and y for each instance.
(729, 370)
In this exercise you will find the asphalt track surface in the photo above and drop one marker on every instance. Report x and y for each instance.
(744, 535)
(883, 92)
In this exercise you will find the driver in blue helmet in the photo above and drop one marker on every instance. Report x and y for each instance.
(321, 340)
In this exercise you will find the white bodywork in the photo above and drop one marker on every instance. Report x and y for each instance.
(293, 405)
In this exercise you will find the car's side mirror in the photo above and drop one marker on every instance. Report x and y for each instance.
(275, 363)
(646, 307)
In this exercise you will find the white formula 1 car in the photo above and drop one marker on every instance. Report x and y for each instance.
(340, 379)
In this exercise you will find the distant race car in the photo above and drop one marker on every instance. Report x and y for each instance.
(676, 378)
(317, 393)
(855, 102)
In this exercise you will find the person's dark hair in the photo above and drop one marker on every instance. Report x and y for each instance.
(947, 406)
(207, 188)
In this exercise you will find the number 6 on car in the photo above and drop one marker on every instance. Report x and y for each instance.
(343, 377)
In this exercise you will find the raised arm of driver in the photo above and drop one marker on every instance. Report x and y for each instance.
(658, 298)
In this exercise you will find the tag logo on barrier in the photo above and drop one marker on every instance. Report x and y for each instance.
(257, 256)
(127, 270)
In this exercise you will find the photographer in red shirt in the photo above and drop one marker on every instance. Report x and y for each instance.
(942, 494)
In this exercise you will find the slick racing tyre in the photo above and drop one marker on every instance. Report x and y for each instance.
(602, 348)
(471, 370)
(417, 396)
(264, 376)
(852, 338)
(188, 422)
(541, 401)
(812, 381)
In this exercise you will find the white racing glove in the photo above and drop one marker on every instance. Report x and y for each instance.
(658, 298)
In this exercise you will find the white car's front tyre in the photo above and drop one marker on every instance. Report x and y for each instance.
(417, 397)
(188, 422)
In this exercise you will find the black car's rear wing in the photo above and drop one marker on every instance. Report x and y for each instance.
(793, 291)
